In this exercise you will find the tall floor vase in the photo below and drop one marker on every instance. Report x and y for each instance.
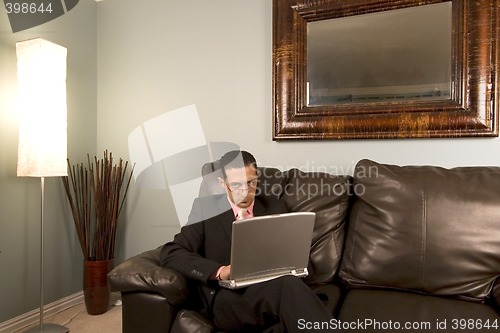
(95, 285)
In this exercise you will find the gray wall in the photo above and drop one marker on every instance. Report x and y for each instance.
(20, 197)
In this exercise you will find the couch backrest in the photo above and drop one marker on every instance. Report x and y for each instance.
(425, 229)
(328, 196)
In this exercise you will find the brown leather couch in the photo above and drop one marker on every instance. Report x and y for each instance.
(414, 248)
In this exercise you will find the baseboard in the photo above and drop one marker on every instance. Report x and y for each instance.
(33, 317)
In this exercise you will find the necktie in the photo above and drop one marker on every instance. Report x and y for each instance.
(241, 214)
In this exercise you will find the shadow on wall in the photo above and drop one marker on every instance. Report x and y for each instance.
(169, 151)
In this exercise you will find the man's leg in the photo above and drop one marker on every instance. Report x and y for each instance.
(279, 305)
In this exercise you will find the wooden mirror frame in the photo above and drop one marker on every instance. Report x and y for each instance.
(472, 110)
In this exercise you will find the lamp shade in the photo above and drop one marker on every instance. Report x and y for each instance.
(41, 70)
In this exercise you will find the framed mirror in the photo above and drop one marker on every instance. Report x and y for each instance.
(371, 69)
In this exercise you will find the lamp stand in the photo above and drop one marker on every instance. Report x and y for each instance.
(49, 328)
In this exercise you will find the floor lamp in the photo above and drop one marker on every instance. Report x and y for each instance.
(41, 71)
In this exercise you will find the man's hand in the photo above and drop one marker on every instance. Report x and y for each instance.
(224, 272)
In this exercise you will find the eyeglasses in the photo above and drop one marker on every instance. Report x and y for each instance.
(235, 186)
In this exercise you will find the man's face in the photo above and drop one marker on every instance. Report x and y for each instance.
(241, 185)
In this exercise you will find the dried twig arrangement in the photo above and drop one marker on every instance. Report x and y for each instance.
(97, 188)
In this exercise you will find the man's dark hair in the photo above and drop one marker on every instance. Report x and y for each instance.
(236, 159)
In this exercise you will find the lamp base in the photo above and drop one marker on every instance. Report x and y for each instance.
(48, 328)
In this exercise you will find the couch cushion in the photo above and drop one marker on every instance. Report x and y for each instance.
(424, 228)
(387, 311)
(328, 196)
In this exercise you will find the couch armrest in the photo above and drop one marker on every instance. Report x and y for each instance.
(144, 273)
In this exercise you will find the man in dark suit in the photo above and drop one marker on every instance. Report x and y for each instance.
(202, 250)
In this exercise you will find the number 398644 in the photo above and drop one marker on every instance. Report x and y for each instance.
(28, 8)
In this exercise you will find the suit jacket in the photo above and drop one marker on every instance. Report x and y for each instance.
(204, 243)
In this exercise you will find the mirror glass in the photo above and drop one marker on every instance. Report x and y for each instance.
(395, 55)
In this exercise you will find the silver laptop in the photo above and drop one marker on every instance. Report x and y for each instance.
(270, 246)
